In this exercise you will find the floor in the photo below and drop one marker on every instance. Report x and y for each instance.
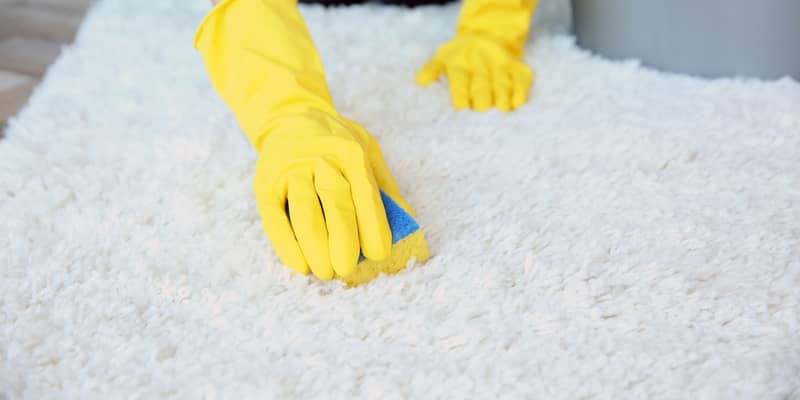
(31, 35)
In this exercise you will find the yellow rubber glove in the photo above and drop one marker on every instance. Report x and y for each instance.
(328, 169)
(483, 63)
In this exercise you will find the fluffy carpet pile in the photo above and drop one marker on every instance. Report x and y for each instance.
(627, 234)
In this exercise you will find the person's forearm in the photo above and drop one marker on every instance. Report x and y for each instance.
(262, 62)
(505, 21)
(215, 2)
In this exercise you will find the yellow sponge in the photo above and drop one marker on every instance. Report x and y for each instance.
(407, 243)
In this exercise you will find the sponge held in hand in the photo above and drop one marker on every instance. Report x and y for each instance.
(407, 243)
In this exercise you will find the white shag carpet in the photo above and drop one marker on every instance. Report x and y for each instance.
(627, 234)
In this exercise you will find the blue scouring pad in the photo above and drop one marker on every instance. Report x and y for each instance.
(400, 222)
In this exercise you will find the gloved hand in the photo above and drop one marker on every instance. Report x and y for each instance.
(329, 170)
(483, 63)
(325, 169)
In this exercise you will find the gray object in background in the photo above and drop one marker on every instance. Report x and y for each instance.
(709, 38)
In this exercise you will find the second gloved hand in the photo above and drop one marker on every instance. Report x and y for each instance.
(480, 72)
(483, 63)
(329, 171)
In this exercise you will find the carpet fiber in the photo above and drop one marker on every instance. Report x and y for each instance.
(627, 234)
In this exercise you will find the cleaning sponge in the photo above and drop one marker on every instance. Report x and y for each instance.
(407, 243)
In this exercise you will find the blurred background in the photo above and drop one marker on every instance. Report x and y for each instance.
(31, 35)
(710, 38)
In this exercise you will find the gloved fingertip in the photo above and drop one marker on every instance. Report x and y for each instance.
(422, 79)
(344, 270)
(429, 73)
(460, 102)
(379, 248)
(344, 259)
(283, 241)
(322, 269)
(523, 80)
(482, 104)
(324, 275)
(425, 78)
(520, 96)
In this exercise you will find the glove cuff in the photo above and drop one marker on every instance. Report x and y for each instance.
(504, 21)
(262, 62)
(218, 8)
